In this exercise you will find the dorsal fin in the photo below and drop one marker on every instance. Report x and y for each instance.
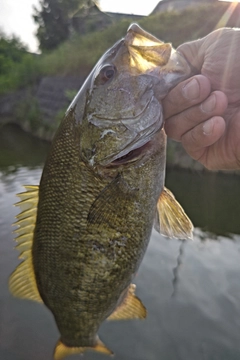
(171, 220)
(22, 281)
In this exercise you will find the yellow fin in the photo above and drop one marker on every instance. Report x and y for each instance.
(130, 308)
(157, 54)
(61, 350)
(145, 49)
(171, 219)
(22, 281)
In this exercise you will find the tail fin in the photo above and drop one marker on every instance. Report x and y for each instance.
(61, 350)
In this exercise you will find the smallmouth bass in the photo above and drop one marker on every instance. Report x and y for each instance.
(84, 231)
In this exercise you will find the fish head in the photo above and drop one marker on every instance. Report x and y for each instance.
(122, 108)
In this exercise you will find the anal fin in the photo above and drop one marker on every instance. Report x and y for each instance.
(62, 350)
(130, 308)
(22, 283)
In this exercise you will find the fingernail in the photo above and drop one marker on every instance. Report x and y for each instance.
(209, 104)
(208, 127)
(191, 90)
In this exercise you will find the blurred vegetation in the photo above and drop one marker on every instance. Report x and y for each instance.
(53, 20)
(29, 112)
(78, 55)
(18, 67)
(70, 94)
(11, 50)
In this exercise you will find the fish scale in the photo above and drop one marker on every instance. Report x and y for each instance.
(89, 222)
(62, 246)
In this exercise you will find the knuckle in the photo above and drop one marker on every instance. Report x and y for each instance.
(194, 137)
(171, 130)
(170, 104)
(192, 140)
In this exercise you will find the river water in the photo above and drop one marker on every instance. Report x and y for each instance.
(191, 289)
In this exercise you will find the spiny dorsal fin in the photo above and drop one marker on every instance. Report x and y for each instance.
(130, 308)
(171, 219)
(61, 350)
(22, 282)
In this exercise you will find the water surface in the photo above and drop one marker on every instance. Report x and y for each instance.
(191, 289)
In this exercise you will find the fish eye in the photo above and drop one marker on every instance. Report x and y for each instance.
(106, 74)
(109, 72)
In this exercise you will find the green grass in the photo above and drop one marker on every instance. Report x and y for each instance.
(78, 55)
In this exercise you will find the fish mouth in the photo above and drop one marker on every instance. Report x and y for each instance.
(135, 149)
(131, 156)
(140, 131)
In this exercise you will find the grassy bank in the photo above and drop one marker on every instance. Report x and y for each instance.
(78, 55)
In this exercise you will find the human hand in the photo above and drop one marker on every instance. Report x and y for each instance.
(204, 112)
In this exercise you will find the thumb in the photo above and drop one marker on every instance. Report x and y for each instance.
(192, 51)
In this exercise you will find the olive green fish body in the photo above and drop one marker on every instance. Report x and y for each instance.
(83, 232)
(91, 233)
(60, 253)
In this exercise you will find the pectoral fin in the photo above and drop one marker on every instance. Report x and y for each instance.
(61, 350)
(171, 219)
(103, 209)
(22, 281)
(130, 308)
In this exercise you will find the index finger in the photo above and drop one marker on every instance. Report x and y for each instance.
(186, 94)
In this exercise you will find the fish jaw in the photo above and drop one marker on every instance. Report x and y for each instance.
(125, 135)
(123, 95)
(146, 51)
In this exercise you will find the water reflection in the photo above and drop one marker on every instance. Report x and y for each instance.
(212, 199)
(17, 148)
(191, 289)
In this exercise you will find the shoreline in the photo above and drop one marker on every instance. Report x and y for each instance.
(176, 158)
